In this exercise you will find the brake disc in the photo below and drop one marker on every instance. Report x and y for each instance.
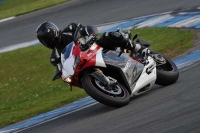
(159, 59)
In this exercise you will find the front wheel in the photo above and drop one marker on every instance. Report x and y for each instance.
(115, 96)
(167, 73)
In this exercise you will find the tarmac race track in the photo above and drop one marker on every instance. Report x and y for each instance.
(170, 109)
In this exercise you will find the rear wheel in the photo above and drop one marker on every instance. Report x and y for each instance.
(167, 73)
(115, 95)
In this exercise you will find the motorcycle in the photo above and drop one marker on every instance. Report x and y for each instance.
(111, 77)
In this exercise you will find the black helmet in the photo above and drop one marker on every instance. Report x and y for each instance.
(47, 34)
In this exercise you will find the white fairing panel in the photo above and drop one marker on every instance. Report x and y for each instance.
(68, 67)
(146, 79)
(68, 64)
(99, 58)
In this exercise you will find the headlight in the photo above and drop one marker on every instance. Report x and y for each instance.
(68, 79)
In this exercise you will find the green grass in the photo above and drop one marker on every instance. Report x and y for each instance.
(26, 88)
(10, 8)
(170, 41)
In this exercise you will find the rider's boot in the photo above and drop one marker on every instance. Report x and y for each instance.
(137, 50)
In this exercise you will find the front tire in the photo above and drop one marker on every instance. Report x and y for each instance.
(117, 97)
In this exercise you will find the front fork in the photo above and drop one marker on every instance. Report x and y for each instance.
(107, 80)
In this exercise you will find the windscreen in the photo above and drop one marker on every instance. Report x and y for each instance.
(66, 52)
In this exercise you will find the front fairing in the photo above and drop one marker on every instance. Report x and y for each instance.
(68, 56)
(74, 60)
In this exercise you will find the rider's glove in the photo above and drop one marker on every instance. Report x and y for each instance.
(86, 42)
(90, 39)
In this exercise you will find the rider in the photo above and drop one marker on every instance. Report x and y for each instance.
(51, 37)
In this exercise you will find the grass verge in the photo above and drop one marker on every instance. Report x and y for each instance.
(26, 88)
(10, 8)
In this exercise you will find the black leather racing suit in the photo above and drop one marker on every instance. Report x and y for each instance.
(109, 40)
(65, 39)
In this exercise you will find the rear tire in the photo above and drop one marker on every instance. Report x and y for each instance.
(117, 98)
(168, 73)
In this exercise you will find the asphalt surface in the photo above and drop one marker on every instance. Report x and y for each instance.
(173, 108)
(87, 12)
(170, 109)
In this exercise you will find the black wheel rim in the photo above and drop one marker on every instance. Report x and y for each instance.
(168, 66)
(115, 91)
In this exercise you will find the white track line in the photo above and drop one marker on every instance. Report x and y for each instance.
(186, 22)
(154, 21)
(6, 19)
